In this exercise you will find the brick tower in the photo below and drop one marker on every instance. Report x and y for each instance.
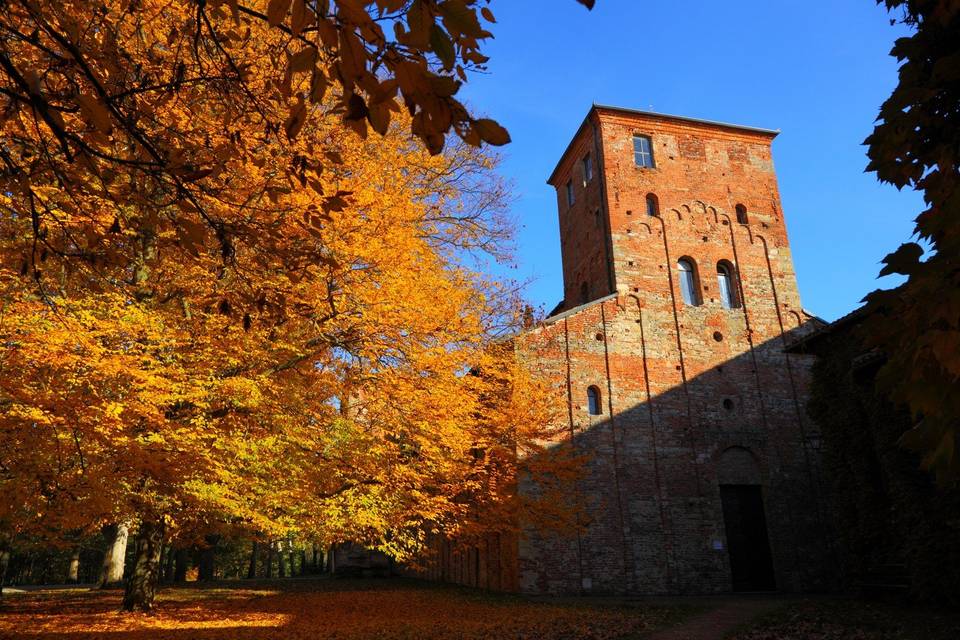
(667, 352)
(679, 297)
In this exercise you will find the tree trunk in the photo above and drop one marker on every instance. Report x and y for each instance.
(316, 559)
(168, 567)
(180, 569)
(281, 568)
(142, 583)
(269, 560)
(304, 567)
(293, 562)
(4, 561)
(208, 556)
(73, 569)
(252, 569)
(111, 572)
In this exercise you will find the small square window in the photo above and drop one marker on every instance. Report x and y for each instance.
(643, 152)
(569, 192)
(587, 169)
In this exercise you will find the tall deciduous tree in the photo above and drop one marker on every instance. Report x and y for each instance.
(336, 405)
(218, 302)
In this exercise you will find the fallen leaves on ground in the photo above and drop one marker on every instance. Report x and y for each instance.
(329, 609)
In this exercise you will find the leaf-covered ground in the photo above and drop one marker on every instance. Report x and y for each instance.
(335, 609)
(845, 619)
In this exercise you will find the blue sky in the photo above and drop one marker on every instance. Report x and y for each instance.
(818, 73)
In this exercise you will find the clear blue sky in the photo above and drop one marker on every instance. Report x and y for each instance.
(818, 72)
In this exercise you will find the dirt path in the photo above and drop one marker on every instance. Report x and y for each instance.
(719, 620)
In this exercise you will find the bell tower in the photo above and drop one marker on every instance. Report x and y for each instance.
(642, 196)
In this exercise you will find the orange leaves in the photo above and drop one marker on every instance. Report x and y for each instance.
(280, 309)
(95, 113)
(301, 17)
(491, 132)
(159, 104)
(296, 119)
(225, 345)
(277, 11)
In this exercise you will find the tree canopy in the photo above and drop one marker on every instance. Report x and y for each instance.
(225, 304)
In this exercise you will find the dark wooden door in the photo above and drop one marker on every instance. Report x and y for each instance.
(750, 563)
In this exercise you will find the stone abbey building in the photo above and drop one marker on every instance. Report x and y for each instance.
(679, 300)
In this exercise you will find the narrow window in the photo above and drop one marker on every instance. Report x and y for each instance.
(587, 169)
(728, 288)
(688, 281)
(741, 214)
(569, 192)
(653, 206)
(593, 401)
(584, 293)
(642, 151)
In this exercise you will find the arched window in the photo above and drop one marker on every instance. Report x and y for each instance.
(584, 293)
(593, 401)
(741, 214)
(688, 281)
(728, 285)
(653, 205)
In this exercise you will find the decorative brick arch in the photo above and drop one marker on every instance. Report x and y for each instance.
(738, 465)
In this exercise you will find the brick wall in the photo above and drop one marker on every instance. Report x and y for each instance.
(490, 564)
(681, 385)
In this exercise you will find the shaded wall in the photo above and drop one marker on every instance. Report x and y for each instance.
(887, 510)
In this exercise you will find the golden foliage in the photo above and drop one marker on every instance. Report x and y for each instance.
(222, 308)
(315, 382)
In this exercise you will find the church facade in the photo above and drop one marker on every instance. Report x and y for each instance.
(669, 347)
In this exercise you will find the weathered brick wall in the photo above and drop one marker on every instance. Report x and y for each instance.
(584, 233)
(491, 564)
(665, 369)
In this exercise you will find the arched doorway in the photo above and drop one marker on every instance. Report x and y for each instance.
(741, 496)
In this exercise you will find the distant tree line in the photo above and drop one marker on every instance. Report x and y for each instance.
(106, 559)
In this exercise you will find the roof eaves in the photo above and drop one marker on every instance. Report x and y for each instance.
(577, 309)
(667, 116)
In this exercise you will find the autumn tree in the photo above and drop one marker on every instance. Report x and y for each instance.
(336, 405)
(916, 144)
